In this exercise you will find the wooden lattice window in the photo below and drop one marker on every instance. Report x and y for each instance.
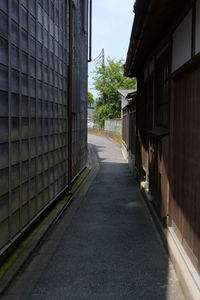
(162, 90)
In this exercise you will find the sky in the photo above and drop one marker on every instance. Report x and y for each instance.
(112, 24)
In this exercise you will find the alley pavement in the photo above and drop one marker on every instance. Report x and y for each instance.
(109, 250)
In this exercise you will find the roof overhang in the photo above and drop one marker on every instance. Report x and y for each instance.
(131, 95)
(125, 93)
(154, 20)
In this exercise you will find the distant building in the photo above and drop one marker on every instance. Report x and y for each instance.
(90, 115)
(43, 106)
(128, 115)
(125, 96)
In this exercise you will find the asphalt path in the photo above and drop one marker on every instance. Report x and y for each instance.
(110, 250)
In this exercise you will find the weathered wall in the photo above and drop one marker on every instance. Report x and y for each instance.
(113, 125)
(79, 101)
(184, 163)
(129, 135)
(34, 50)
(168, 133)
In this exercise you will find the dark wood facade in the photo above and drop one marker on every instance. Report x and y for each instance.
(128, 127)
(167, 112)
(185, 164)
(129, 130)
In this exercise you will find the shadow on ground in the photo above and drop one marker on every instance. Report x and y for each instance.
(111, 250)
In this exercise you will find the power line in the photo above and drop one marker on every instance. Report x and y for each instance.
(98, 57)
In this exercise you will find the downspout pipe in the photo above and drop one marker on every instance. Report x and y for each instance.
(70, 81)
(90, 32)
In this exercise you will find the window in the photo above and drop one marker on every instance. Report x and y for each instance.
(162, 90)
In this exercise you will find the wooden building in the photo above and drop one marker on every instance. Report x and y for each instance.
(128, 117)
(164, 55)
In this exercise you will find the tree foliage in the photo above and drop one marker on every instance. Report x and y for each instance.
(108, 78)
(90, 98)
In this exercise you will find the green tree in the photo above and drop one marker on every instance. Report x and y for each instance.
(108, 78)
(90, 98)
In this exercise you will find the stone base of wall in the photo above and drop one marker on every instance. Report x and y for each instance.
(130, 158)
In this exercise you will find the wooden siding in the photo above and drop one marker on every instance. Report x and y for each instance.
(158, 171)
(164, 169)
(152, 130)
(148, 94)
(125, 127)
(154, 169)
(170, 163)
(132, 132)
(162, 89)
(129, 127)
(185, 163)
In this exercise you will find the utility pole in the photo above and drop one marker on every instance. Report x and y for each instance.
(103, 57)
(103, 66)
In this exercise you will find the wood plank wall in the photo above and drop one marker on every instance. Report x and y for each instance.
(185, 163)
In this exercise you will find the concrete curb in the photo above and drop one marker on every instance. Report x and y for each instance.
(24, 251)
(186, 280)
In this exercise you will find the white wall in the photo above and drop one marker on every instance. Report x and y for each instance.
(182, 42)
(114, 125)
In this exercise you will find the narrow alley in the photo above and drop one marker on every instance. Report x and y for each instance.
(110, 249)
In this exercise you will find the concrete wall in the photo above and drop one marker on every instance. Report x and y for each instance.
(114, 125)
(129, 157)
